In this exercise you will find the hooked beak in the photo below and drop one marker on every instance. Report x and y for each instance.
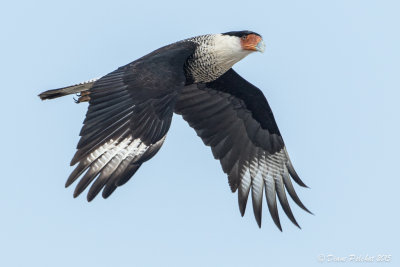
(260, 47)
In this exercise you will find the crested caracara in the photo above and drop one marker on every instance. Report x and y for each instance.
(130, 112)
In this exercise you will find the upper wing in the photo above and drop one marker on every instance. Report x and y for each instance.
(234, 118)
(129, 114)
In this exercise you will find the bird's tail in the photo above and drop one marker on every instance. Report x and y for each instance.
(73, 89)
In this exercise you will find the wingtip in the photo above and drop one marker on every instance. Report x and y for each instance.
(294, 174)
(242, 204)
(277, 223)
(293, 220)
(90, 197)
(242, 211)
(258, 219)
(69, 182)
(78, 191)
(108, 190)
(306, 210)
(74, 160)
(280, 228)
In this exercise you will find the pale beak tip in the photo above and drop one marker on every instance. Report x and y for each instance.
(260, 46)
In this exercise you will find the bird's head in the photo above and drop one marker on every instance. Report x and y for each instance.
(217, 53)
(249, 41)
(231, 47)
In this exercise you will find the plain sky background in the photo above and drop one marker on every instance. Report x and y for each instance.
(331, 73)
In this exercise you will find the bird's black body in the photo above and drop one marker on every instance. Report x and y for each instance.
(130, 112)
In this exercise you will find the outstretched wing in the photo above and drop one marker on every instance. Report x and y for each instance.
(129, 114)
(234, 118)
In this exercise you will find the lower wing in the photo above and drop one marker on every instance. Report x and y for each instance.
(233, 117)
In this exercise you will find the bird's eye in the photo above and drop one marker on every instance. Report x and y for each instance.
(244, 37)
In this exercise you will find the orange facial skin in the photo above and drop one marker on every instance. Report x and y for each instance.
(249, 42)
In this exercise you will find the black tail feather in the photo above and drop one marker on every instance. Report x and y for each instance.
(74, 89)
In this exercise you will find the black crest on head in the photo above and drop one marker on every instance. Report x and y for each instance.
(240, 33)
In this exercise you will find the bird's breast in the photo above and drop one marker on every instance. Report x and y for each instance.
(204, 65)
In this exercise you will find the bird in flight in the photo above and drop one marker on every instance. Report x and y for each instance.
(130, 112)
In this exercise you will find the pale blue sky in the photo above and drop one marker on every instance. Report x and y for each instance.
(330, 72)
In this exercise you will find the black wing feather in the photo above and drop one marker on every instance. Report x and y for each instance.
(129, 114)
(234, 118)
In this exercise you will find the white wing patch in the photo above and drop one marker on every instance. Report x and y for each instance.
(110, 160)
(268, 172)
